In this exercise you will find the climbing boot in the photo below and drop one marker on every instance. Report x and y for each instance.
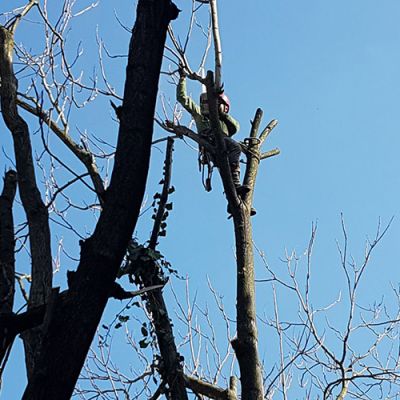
(240, 189)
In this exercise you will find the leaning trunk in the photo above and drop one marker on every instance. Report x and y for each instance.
(71, 324)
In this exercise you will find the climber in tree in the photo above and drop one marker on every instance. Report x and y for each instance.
(229, 126)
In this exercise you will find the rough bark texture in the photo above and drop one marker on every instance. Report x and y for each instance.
(36, 212)
(211, 391)
(246, 342)
(71, 324)
(7, 261)
(171, 369)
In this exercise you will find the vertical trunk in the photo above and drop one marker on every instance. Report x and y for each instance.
(7, 267)
(246, 342)
(72, 323)
(7, 262)
(36, 211)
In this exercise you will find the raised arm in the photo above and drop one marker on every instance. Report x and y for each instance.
(187, 103)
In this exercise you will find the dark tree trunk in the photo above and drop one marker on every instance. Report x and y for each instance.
(71, 324)
(36, 211)
(7, 267)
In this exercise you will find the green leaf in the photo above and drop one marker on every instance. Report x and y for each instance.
(143, 344)
(171, 190)
(168, 206)
(118, 325)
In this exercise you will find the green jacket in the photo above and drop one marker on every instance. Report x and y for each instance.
(229, 125)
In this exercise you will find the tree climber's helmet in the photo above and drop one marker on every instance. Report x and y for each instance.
(224, 101)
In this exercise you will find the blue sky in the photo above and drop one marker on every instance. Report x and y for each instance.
(329, 72)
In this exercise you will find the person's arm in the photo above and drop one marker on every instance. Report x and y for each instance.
(187, 103)
(231, 123)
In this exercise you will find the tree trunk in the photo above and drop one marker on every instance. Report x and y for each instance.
(246, 342)
(7, 261)
(36, 211)
(72, 324)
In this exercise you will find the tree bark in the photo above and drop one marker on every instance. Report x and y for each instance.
(72, 324)
(7, 261)
(7, 244)
(149, 274)
(246, 342)
(36, 211)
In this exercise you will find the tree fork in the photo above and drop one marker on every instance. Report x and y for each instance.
(246, 342)
(36, 211)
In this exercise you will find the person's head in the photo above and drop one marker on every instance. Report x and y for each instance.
(223, 103)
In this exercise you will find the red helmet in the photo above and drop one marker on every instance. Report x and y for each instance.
(223, 99)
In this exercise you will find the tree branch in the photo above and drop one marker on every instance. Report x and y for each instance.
(164, 195)
(149, 273)
(217, 44)
(83, 155)
(267, 130)
(36, 212)
(270, 153)
(119, 293)
(209, 390)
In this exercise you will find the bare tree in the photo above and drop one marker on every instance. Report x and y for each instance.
(69, 319)
(58, 328)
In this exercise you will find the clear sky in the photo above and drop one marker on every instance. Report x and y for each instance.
(329, 72)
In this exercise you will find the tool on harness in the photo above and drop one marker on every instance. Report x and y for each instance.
(205, 160)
